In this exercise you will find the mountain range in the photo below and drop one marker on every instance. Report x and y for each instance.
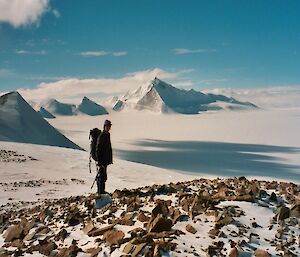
(161, 97)
(19, 122)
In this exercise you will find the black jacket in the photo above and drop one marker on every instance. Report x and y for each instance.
(103, 149)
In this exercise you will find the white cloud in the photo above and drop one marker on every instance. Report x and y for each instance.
(192, 51)
(212, 81)
(119, 53)
(24, 52)
(94, 53)
(182, 84)
(56, 13)
(74, 87)
(102, 53)
(22, 12)
(269, 97)
(6, 72)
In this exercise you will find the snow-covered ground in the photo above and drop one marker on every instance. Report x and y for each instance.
(157, 149)
(257, 143)
(151, 148)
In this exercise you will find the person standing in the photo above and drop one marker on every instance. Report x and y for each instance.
(104, 156)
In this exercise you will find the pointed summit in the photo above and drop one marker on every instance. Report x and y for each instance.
(58, 108)
(89, 107)
(159, 96)
(19, 122)
(46, 114)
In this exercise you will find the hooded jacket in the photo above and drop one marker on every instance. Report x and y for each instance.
(103, 149)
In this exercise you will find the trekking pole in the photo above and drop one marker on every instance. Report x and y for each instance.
(98, 171)
(90, 164)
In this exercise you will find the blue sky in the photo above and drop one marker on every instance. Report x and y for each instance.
(204, 44)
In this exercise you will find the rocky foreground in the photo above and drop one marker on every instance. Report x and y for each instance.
(220, 217)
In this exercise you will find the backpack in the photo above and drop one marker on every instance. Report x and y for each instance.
(94, 134)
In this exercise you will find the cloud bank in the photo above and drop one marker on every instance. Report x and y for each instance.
(269, 97)
(76, 88)
(22, 12)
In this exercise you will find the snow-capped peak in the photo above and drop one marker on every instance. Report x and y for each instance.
(89, 107)
(159, 96)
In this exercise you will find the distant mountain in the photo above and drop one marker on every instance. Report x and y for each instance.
(45, 113)
(57, 108)
(89, 107)
(19, 122)
(162, 97)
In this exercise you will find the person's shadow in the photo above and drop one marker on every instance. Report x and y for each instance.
(215, 158)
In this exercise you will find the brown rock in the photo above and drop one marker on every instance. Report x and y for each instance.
(178, 216)
(133, 207)
(234, 252)
(46, 247)
(142, 217)
(197, 206)
(138, 249)
(42, 230)
(128, 248)
(190, 229)
(137, 232)
(214, 232)
(156, 252)
(61, 235)
(159, 224)
(295, 211)
(160, 208)
(18, 243)
(283, 213)
(100, 231)
(261, 253)
(113, 237)
(117, 194)
(89, 226)
(14, 232)
(72, 251)
(224, 219)
(127, 220)
(94, 251)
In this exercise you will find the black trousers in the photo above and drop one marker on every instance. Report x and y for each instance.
(101, 179)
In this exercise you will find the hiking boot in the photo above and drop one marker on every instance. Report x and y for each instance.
(97, 196)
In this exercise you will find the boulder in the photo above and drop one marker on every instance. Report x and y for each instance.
(138, 249)
(142, 217)
(159, 224)
(113, 237)
(46, 247)
(94, 251)
(273, 197)
(295, 211)
(283, 213)
(100, 231)
(261, 253)
(160, 208)
(190, 229)
(234, 252)
(61, 235)
(88, 226)
(14, 232)
(128, 248)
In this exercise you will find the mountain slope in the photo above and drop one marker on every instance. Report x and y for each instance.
(45, 113)
(162, 97)
(57, 108)
(90, 108)
(19, 122)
